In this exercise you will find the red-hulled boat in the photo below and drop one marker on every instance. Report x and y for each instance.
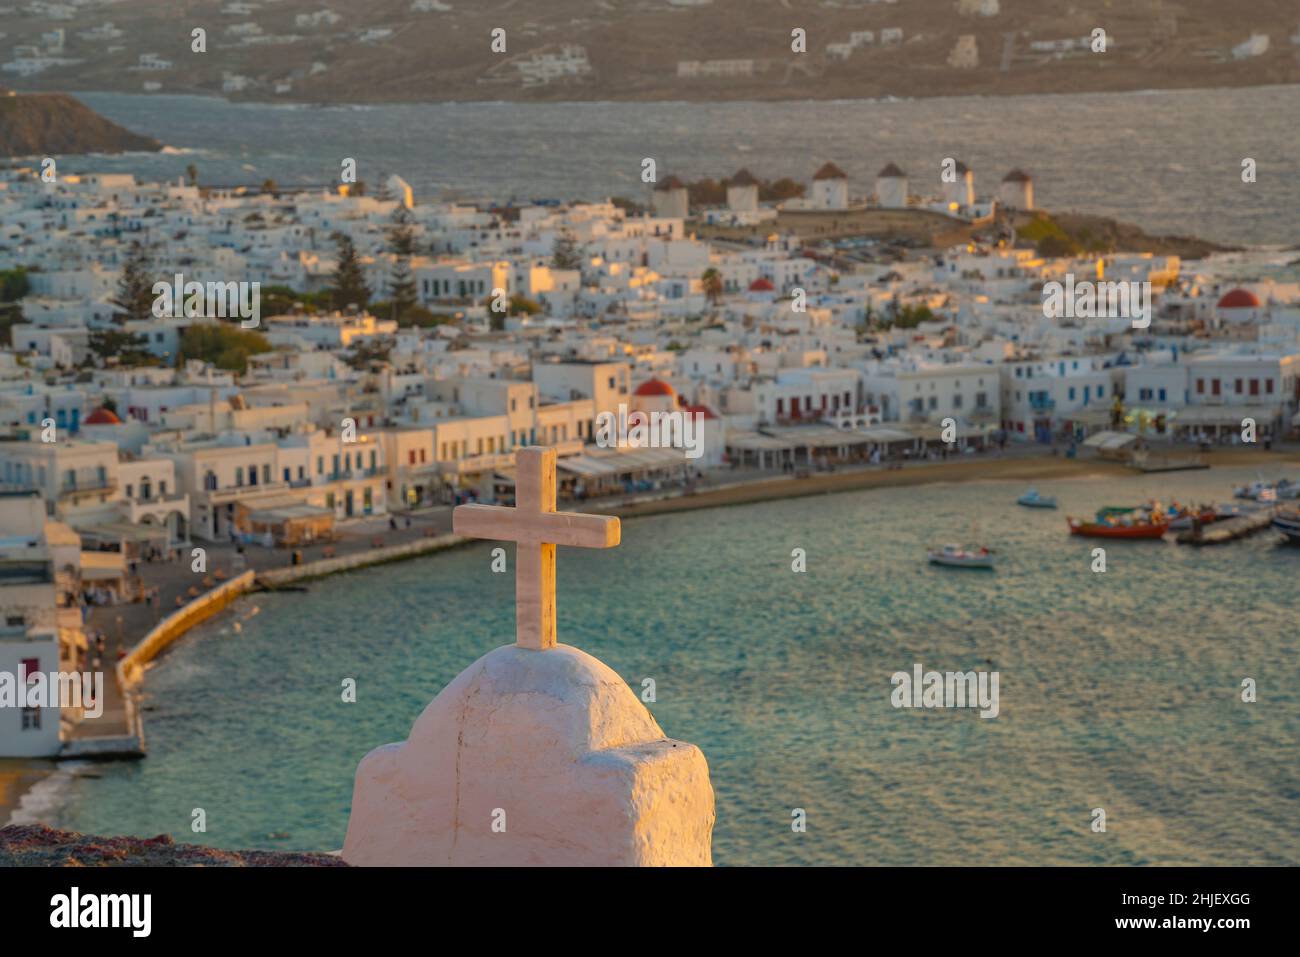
(1138, 529)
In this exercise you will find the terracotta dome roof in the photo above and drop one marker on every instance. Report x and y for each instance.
(1017, 176)
(1239, 299)
(762, 284)
(830, 171)
(672, 182)
(743, 178)
(703, 410)
(102, 416)
(891, 170)
(654, 387)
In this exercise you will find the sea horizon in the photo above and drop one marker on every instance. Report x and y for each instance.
(1134, 151)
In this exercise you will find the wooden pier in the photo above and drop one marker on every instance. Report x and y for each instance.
(1228, 530)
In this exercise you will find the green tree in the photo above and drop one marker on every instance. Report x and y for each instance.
(517, 306)
(712, 282)
(401, 237)
(349, 287)
(192, 174)
(224, 345)
(909, 317)
(401, 243)
(127, 348)
(279, 300)
(135, 288)
(367, 351)
(783, 189)
(13, 284)
(566, 254)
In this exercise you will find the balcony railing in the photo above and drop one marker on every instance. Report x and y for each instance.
(90, 487)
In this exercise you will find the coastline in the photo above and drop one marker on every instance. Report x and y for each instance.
(705, 96)
(976, 469)
(1195, 85)
(18, 776)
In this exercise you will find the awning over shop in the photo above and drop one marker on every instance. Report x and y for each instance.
(1224, 415)
(883, 435)
(121, 532)
(600, 463)
(288, 513)
(815, 436)
(102, 566)
(935, 433)
(1088, 417)
(755, 442)
(1109, 441)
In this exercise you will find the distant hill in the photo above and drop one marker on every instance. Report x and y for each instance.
(55, 124)
(424, 50)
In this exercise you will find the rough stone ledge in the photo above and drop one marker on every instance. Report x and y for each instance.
(35, 845)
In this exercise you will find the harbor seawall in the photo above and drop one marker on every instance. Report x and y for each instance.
(130, 670)
(276, 577)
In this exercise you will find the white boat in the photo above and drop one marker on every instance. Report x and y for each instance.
(962, 556)
(1288, 523)
(1268, 491)
(1032, 499)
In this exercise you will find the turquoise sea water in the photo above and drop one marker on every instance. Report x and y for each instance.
(1118, 690)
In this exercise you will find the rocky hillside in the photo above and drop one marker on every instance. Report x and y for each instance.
(55, 124)
(420, 50)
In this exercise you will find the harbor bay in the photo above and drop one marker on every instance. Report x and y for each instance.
(1118, 690)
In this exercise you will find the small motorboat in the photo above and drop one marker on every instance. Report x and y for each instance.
(1268, 491)
(1288, 523)
(962, 556)
(1032, 499)
(1187, 518)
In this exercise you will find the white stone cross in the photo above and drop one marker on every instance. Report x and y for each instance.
(536, 528)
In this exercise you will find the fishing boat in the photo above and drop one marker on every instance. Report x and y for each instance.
(962, 556)
(1184, 519)
(1113, 511)
(1187, 518)
(1268, 491)
(1138, 528)
(1288, 523)
(1032, 499)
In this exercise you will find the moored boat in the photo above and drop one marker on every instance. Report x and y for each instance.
(1187, 518)
(1134, 529)
(1114, 511)
(962, 556)
(1288, 523)
(1268, 491)
(1032, 499)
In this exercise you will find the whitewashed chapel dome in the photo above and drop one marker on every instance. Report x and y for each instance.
(556, 747)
